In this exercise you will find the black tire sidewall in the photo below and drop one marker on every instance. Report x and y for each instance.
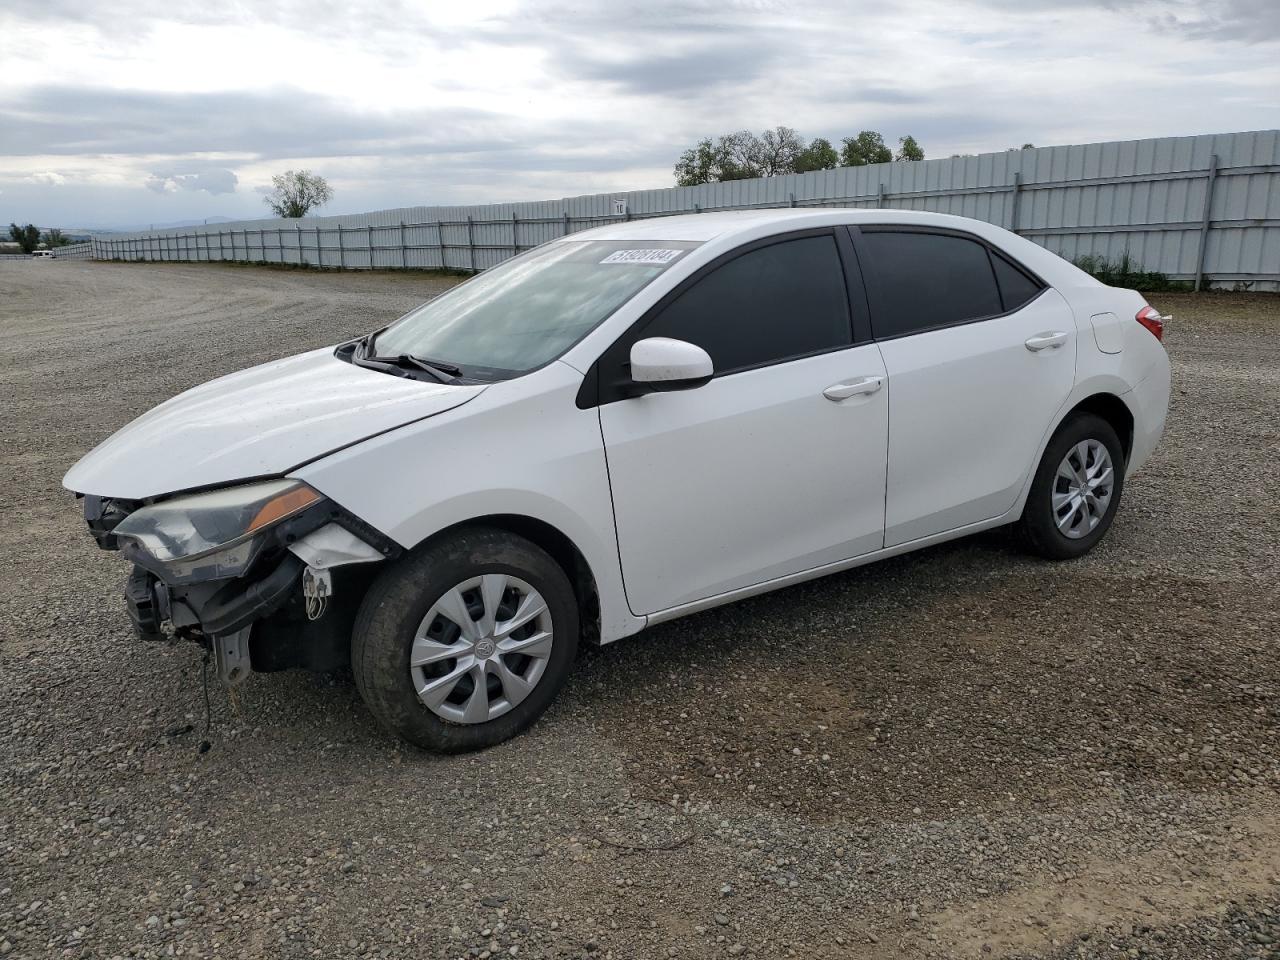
(1038, 525)
(401, 596)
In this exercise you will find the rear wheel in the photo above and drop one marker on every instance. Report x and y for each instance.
(1076, 490)
(464, 644)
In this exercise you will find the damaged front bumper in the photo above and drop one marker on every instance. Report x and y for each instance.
(277, 612)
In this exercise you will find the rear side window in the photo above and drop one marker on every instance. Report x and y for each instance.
(773, 303)
(918, 281)
(1016, 288)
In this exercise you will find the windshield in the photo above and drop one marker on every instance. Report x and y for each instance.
(530, 309)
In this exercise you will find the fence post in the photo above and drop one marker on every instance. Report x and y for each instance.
(566, 223)
(319, 249)
(342, 253)
(368, 241)
(791, 198)
(1016, 205)
(440, 243)
(471, 243)
(1212, 177)
(880, 195)
(515, 242)
(404, 260)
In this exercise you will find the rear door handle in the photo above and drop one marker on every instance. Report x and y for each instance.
(1047, 340)
(853, 388)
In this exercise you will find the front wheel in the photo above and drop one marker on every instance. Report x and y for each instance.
(465, 643)
(1076, 490)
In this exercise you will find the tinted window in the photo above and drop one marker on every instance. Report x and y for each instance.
(923, 280)
(784, 300)
(1016, 288)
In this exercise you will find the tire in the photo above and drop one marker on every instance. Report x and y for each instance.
(390, 626)
(1040, 524)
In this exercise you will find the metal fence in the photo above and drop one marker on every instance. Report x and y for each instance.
(1204, 209)
(73, 251)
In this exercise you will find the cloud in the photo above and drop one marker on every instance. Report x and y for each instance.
(277, 123)
(212, 181)
(185, 108)
(1248, 21)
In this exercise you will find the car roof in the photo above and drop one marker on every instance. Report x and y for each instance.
(727, 223)
(724, 229)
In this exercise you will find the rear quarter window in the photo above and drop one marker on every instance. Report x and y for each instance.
(1016, 287)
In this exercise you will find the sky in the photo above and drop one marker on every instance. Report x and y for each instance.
(136, 112)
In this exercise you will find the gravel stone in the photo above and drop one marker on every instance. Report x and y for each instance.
(977, 754)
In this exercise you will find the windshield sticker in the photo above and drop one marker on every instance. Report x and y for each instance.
(642, 256)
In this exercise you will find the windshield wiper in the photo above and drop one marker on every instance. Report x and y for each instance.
(439, 369)
(444, 372)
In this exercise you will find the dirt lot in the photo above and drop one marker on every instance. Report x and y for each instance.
(976, 754)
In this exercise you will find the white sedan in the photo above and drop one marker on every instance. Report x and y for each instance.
(619, 428)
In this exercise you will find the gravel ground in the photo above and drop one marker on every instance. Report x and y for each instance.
(977, 755)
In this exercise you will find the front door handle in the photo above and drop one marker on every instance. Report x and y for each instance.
(853, 388)
(1047, 340)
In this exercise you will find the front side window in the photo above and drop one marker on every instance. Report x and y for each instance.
(784, 300)
(530, 309)
(919, 281)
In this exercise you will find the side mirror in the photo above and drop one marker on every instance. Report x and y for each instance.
(660, 363)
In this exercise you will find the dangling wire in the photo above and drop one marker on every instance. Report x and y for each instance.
(316, 607)
(208, 710)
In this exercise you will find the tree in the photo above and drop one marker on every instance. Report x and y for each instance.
(737, 156)
(908, 149)
(53, 237)
(296, 193)
(733, 156)
(1025, 146)
(867, 147)
(818, 155)
(27, 238)
(777, 151)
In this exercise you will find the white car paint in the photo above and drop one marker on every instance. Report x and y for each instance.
(259, 422)
(680, 501)
(752, 477)
(948, 387)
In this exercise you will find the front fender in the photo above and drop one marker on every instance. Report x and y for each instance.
(523, 449)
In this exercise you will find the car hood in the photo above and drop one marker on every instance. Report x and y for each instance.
(259, 422)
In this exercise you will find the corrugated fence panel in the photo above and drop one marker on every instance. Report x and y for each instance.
(1141, 198)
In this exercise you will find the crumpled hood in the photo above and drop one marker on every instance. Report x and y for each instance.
(259, 422)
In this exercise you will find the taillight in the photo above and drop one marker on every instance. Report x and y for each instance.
(1150, 318)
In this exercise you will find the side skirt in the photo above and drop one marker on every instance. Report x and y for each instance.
(673, 613)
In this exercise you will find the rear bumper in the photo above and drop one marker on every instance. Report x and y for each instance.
(1149, 403)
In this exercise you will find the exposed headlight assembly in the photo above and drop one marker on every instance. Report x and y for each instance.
(214, 535)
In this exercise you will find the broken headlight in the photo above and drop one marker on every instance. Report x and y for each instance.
(210, 536)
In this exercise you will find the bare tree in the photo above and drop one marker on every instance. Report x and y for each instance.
(296, 193)
(778, 150)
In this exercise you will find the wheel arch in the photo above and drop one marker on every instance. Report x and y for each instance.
(1111, 408)
(559, 546)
